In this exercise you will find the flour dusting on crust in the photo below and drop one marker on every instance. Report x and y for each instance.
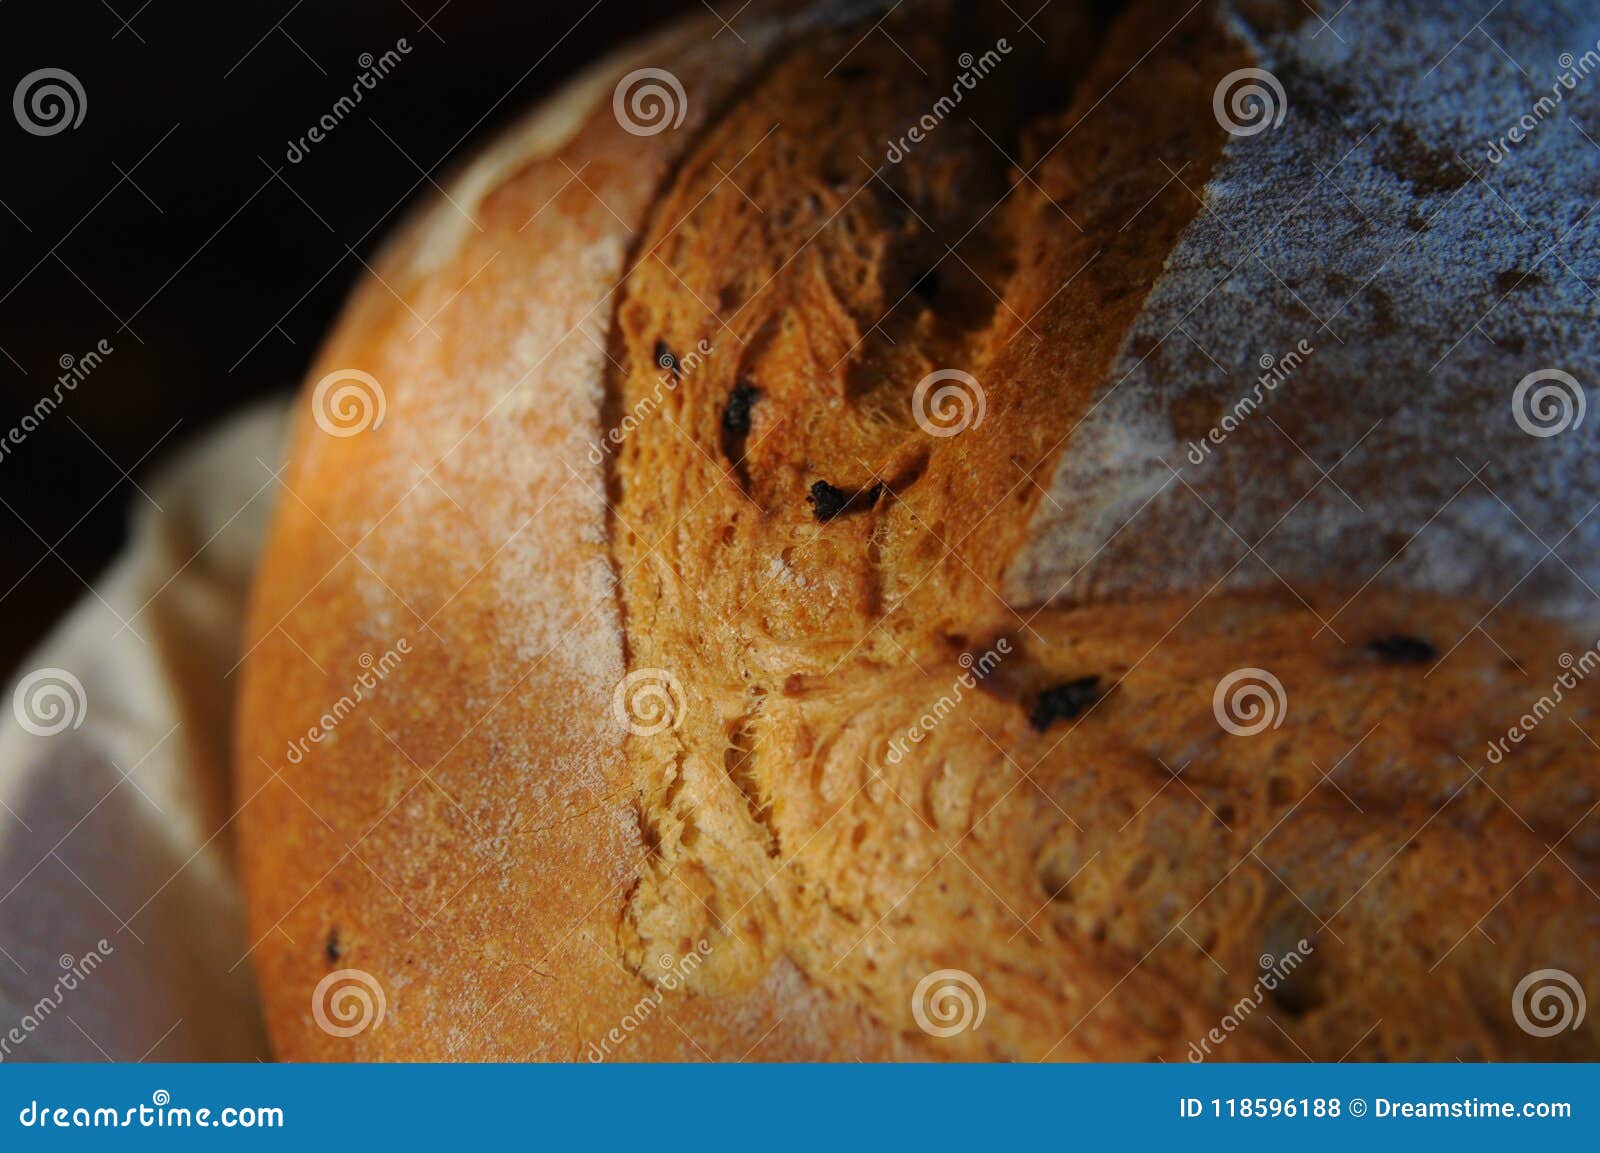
(1427, 282)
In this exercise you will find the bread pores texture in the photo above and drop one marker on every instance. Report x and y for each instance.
(521, 875)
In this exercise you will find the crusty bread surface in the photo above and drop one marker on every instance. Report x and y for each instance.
(681, 691)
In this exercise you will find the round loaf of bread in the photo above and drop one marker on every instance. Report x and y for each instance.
(885, 531)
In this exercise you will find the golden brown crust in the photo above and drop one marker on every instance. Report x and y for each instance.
(471, 863)
(773, 872)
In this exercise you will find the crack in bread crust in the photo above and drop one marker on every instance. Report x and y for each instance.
(771, 816)
(782, 824)
(846, 804)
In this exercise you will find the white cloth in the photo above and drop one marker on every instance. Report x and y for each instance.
(121, 922)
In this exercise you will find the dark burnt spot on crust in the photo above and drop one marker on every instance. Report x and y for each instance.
(828, 502)
(736, 429)
(736, 415)
(1427, 170)
(1302, 984)
(1399, 649)
(667, 359)
(1063, 702)
(1513, 279)
(333, 948)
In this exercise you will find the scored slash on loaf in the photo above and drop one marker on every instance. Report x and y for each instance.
(1161, 721)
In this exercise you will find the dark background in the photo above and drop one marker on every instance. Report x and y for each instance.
(158, 226)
